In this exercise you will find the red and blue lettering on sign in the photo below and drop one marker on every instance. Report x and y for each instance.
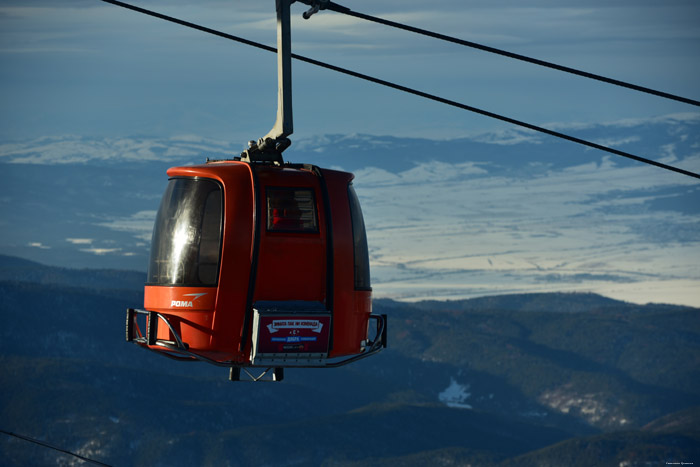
(293, 334)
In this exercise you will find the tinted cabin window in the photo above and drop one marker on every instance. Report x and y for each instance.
(187, 234)
(359, 236)
(291, 210)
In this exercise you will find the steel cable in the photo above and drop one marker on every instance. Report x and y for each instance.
(409, 90)
(347, 11)
(49, 446)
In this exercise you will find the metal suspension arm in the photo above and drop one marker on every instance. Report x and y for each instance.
(284, 125)
(270, 147)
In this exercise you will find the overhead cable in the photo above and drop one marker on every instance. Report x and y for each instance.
(47, 445)
(347, 11)
(498, 117)
(410, 90)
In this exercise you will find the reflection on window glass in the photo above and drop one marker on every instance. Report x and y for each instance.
(187, 234)
(291, 210)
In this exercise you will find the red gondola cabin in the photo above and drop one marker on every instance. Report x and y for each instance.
(257, 265)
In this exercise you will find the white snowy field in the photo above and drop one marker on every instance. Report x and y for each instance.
(449, 231)
(479, 220)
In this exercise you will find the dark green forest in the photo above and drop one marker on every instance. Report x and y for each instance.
(516, 380)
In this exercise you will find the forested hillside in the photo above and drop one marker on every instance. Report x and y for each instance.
(539, 379)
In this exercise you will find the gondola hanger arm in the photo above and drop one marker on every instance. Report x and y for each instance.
(269, 148)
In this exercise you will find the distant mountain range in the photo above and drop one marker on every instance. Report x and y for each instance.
(493, 214)
(514, 380)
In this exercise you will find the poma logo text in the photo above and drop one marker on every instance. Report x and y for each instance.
(186, 303)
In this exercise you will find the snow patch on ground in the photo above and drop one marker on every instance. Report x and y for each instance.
(455, 395)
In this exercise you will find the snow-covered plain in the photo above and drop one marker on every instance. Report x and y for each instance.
(585, 228)
(492, 214)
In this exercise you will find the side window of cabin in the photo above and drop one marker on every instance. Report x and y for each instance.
(359, 235)
(291, 210)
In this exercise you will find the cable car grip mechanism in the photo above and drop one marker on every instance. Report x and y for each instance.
(315, 5)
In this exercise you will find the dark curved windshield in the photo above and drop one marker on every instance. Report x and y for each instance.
(186, 240)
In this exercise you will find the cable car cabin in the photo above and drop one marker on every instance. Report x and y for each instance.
(256, 265)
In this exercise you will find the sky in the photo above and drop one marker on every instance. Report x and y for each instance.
(72, 69)
(84, 67)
